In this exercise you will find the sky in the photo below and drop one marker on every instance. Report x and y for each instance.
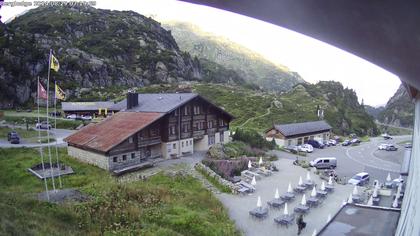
(312, 59)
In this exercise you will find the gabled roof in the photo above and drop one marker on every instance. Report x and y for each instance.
(112, 131)
(86, 106)
(302, 128)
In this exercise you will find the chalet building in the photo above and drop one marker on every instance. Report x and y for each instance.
(150, 126)
(299, 133)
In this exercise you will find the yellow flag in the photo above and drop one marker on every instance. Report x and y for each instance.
(54, 63)
(59, 93)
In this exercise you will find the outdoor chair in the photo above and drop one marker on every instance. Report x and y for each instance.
(285, 220)
(287, 196)
(276, 203)
(302, 209)
(259, 212)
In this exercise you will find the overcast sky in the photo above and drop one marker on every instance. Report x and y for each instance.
(312, 59)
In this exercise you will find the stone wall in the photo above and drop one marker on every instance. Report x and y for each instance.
(89, 157)
(213, 174)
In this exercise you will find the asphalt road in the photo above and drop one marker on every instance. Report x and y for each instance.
(363, 158)
(58, 134)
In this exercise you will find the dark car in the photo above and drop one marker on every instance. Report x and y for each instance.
(14, 138)
(10, 134)
(386, 137)
(316, 144)
(391, 148)
(346, 143)
(408, 145)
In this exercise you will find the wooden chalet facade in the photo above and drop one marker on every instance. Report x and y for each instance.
(149, 127)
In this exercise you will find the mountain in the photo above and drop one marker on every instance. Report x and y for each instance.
(95, 48)
(399, 110)
(374, 111)
(248, 64)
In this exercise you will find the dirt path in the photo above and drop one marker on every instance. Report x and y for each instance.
(257, 117)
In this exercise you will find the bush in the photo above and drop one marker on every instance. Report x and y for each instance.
(227, 168)
(254, 139)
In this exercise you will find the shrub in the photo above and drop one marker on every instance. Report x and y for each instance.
(227, 168)
(253, 138)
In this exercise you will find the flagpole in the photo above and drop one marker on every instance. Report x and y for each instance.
(40, 147)
(55, 133)
(48, 121)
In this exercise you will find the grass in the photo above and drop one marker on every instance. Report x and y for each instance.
(61, 123)
(214, 182)
(365, 139)
(23, 133)
(162, 205)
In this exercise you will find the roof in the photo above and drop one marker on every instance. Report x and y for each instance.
(302, 128)
(112, 131)
(86, 106)
(354, 219)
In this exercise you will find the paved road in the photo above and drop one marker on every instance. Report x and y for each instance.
(58, 134)
(365, 157)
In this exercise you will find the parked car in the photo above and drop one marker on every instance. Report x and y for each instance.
(383, 146)
(292, 148)
(386, 136)
(316, 144)
(391, 148)
(43, 125)
(71, 116)
(326, 143)
(408, 145)
(56, 114)
(346, 143)
(324, 162)
(306, 148)
(14, 138)
(359, 179)
(353, 136)
(332, 142)
(87, 117)
(355, 140)
(10, 134)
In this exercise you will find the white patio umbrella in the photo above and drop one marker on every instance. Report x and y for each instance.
(350, 200)
(330, 181)
(313, 193)
(355, 190)
(388, 178)
(375, 192)
(308, 176)
(303, 202)
(370, 201)
(289, 189)
(285, 211)
(276, 195)
(259, 204)
(314, 233)
(260, 162)
(253, 182)
(344, 202)
(329, 218)
(249, 164)
(300, 181)
(323, 186)
(395, 203)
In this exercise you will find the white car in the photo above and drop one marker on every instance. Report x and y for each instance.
(306, 148)
(72, 116)
(383, 146)
(332, 142)
(359, 179)
(87, 117)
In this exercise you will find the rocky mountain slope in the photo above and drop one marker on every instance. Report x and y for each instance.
(96, 48)
(248, 64)
(374, 111)
(399, 111)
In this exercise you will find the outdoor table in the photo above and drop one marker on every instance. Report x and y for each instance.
(389, 184)
(321, 193)
(284, 219)
(376, 201)
(301, 209)
(300, 189)
(313, 201)
(276, 202)
(288, 196)
(356, 198)
(309, 183)
(243, 190)
(259, 212)
(329, 188)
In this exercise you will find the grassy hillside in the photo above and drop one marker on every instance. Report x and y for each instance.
(161, 205)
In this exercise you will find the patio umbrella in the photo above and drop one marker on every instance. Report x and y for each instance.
(313, 193)
(314, 233)
(259, 204)
(308, 176)
(375, 192)
(344, 202)
(303, 202)
(276, 195)
(249, 164)
(355, 190)
(370, 201)
(395, 203)
(253, 182)
(388, 178)
(329, 218)
(350, 200)
(286, 211)
(323, 186)
(300, 181)
(260, 162)
(289, 189)
(330, 181)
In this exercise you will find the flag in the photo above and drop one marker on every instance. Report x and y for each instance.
(59, 93)
(42, 93)
(54, 63)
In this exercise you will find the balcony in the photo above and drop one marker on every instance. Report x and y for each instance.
(186, 135)
(199, 117)
(185, 118)
(149, 141)
(223, 129)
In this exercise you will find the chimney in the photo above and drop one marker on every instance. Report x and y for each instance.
(132, 100)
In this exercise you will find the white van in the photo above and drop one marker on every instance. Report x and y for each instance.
(324, 162)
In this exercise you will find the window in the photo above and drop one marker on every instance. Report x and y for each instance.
(130, 139)
(186, 143)
(172, 130)
(289, 142)
(174, 146)
(186, 110)
(196, 110)
(182, 143)
(209, 124)
(211, 139)
(190, 142)
(311, 137)
(196, 125)
(115, 159)
(299, 141)
(133, 155)
(154, 132)
(186, 128)
(124, 157)
(221, 123)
